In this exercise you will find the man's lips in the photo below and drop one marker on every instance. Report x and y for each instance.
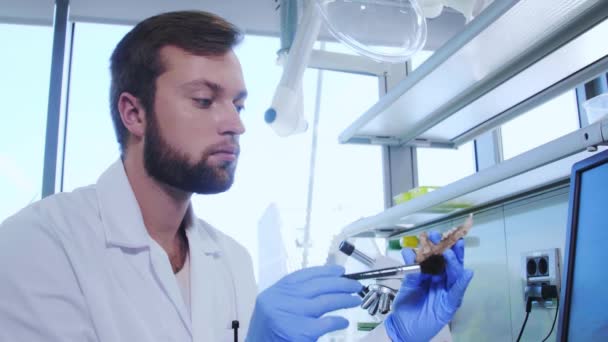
(229, 153)
(226, 149)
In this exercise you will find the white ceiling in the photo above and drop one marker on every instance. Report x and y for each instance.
(253, 16)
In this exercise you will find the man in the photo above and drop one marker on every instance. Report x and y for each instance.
(127, 260)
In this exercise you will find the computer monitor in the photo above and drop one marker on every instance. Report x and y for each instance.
(584, 295)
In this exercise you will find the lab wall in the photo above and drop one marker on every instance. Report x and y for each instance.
(494, 308)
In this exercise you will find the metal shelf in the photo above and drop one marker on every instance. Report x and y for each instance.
(540, 167)
(516, 54)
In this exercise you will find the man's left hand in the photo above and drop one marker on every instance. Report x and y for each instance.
(425, 303)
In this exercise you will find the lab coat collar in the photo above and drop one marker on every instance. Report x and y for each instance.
(123, 222)
(206, 238)
(120, 213)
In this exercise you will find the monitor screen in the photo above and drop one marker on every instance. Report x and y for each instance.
(584, 295)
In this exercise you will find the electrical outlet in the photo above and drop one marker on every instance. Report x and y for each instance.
(541, 267)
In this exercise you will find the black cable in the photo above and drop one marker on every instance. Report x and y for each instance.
(554, 319)
(235, 327)
(523, 326)
(528, 309)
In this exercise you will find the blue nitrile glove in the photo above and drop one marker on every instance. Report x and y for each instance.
(425, 304)
(291, 309)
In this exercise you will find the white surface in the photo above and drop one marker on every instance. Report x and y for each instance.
(583, 51)
(541, 166)
(501, 43)
(596, 108)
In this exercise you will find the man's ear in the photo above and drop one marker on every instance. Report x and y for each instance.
(132, 114)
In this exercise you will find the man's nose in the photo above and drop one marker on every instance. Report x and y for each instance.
(230, 122)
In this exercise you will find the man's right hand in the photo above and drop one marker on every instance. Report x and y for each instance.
(291, 309)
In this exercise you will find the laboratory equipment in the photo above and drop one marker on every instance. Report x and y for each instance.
(350, 250)
(397, 271)
(385, 31)
(285, 114)
(583, 316)
(377, 299)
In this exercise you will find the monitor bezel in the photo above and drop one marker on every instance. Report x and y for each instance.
(571, 234)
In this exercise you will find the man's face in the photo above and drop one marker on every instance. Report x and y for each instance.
(192, 133)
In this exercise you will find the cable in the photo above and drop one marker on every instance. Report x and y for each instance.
(523, 326)
(554, 319)
(546, 292)
(528, 309)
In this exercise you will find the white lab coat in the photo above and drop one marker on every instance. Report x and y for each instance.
(81, 266)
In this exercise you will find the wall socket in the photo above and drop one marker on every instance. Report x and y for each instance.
(541, 267)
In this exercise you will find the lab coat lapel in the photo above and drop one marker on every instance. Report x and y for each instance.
(167, 280)
(206, 279)
(124, 228)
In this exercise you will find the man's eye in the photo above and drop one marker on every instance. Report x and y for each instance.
(239, 108)
(203, 103)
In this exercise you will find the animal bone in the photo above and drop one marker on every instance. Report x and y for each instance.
(448, 239)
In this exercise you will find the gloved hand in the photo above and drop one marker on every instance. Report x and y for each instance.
(291, 309)
(425, 304)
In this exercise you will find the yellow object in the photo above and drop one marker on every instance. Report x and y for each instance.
(416, 192)
(410, 241)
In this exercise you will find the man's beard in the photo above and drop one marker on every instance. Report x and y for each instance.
(165, 164)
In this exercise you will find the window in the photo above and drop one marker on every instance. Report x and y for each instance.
(440, 167)
(90, 141)
(540, 125)
(271, 171)
(348, 178)
(24, 92)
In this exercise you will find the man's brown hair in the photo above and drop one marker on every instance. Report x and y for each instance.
(136, 64)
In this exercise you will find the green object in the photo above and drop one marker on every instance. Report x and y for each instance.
(410, 241)
(416, 192)
(367, 326)
(394, 245)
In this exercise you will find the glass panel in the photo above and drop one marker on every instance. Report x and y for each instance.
(540, 125)
(348, 178)
(24, 88)
(90, 144)
(419, 58)
(440, 167)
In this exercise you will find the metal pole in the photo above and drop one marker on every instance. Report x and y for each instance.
(313, 160)
(60, 23)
